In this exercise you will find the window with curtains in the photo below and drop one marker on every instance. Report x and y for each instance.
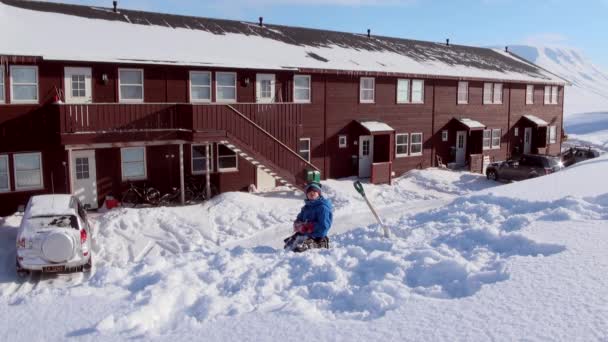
(492, 93)
(410, 91)
(463, 92)
(530, 94)
(551, 94)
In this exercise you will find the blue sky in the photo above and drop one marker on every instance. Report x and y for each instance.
(580, 24)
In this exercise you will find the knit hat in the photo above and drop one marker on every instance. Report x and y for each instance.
(313, 187)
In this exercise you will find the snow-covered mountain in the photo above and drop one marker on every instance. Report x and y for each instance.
(589, 90)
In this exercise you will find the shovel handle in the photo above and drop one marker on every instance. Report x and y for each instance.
(359, 187)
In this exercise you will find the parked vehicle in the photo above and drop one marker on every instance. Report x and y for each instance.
(526, 166)
(577, 154)
(54, 236)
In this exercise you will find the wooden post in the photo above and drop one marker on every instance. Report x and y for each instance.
(208, 172)
(181, 174)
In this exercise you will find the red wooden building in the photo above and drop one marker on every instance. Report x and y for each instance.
(123, 96)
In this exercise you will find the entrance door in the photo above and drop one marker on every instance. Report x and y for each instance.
(84, 177)
(461, 147)
(264, 88)
(527, 139)
(366, 155)
(78, 85)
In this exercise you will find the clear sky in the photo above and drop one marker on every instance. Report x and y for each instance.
(581, 24)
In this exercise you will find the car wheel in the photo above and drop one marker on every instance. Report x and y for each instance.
(21, 272)
(533, 175)
(491, 175)
(89, 265)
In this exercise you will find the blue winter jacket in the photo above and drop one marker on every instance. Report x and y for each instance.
(319, 213)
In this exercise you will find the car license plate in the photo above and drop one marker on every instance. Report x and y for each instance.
(54, 269)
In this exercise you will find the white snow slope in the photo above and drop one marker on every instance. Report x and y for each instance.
(468, 261)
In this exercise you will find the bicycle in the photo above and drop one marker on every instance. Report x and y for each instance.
(196, 191)
(135, 196)
(171, 198)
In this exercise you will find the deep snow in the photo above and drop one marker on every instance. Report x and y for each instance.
(469, 260)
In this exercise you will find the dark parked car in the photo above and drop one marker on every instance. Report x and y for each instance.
(526, 166)
(577, 154)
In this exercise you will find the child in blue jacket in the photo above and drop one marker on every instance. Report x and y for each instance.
(313, 222)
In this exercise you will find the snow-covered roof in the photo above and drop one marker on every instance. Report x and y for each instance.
(47, 205)
(471, 124)
(536, 120)
(376, 126)
(81, 33)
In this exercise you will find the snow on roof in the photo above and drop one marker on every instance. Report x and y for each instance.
(47, 205)
(536, 120)
(99, 34)
(472, 124)
(376, 126)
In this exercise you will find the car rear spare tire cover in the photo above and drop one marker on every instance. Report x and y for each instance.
(58, 247)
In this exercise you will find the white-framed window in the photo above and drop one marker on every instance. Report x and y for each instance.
(552, 134)
(130, 85)
(516, 131)
(530, 94)
(463, 92)
(265, 88)
(5, 181)
(444, 135)
(417, 91)
(199, 158)
(492, 93)
(200, 86)
(403, 91)
(227, 159)
(304, 148)
(496, 134)
(551, 94)
(367, 87)
(402, 144)
(133, 163)
(342, 141)
(487, 139)
(2, 89)
(24, 84)
(301, 89)
(225, 86)
(416, 144)
(28, 171)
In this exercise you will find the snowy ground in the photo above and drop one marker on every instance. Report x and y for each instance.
(469, 260)
(587, 129)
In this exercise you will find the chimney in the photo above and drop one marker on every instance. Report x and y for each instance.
(506, 49)
(115, 3)
(261, 22)
(447, 42)
(369, 33)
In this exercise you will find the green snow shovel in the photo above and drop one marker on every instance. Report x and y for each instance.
(359, 187)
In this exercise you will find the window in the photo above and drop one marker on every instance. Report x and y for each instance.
(551, 94)
(516, 131)
(416, 144)
(444, 135)
(24, 82)
(28, 171)
(225, 85)
(304, 148)
(496, 133)
(199, 158)
(82, 168)
(463, 93)
(131, 85)
(401, 142)
(342, 141)
(492, 93)
(2, 90)
(301, 88)
(552, 136)
(4, 178)
(227, 160)
(487, 139)
(417, 91)
(403, 91)
(133, 163)
(200, 86)
(367, 85)
(530, 94)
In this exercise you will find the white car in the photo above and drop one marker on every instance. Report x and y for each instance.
(54, 236)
